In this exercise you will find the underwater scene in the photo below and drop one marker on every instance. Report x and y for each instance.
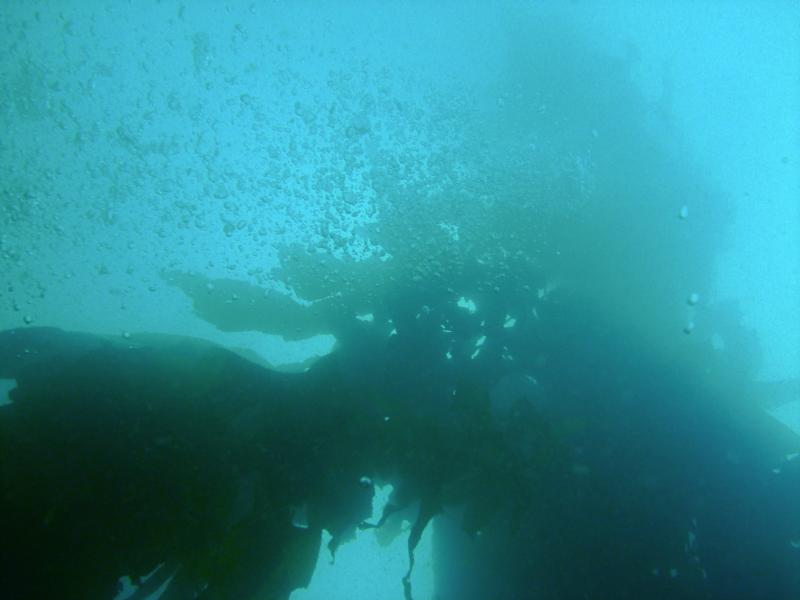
(376, 300)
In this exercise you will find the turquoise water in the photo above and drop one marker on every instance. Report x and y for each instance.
(566, 236)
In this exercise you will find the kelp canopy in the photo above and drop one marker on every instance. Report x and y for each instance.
(124, 457)
(177, 456)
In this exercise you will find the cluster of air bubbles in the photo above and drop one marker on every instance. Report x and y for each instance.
(692, 301)
(693, 298)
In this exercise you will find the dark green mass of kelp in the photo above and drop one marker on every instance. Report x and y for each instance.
(623, 463)
(120, 457)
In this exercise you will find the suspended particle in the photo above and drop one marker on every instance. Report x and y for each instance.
(693, 299)
(684, 212)
(467, 304)
(300, 516)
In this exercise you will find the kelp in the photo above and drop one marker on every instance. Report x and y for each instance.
(604, 464)
(124, 457)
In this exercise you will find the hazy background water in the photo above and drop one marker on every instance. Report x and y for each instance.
(157, 137)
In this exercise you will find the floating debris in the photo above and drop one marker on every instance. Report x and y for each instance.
(300, 517)
(467, 304)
